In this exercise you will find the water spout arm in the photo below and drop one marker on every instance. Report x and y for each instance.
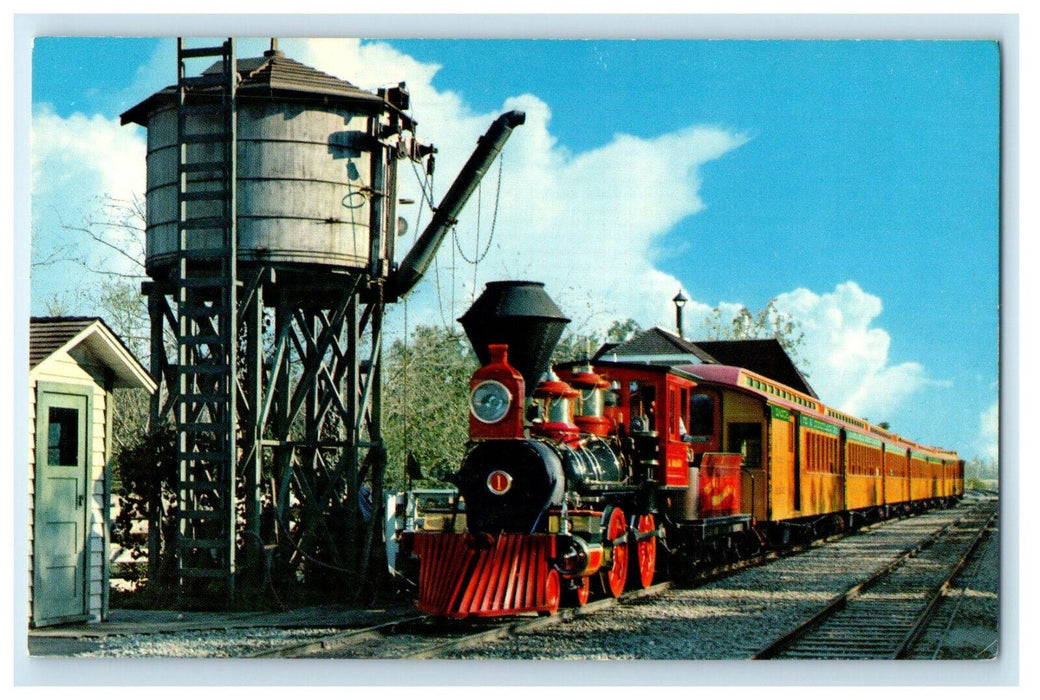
(419, 258)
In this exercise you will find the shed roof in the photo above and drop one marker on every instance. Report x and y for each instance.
(52, 334)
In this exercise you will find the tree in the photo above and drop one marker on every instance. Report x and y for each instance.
(426, 404)
(981, 472)
(620, 331)
(147, 490)
(767, 322)
(110, 287)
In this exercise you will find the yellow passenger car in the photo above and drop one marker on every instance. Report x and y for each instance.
(804, 460)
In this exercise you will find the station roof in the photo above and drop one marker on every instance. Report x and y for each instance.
(655, 346)
(762, 356)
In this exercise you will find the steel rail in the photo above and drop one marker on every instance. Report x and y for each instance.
(387, 630)
(926, 615)
(512, 628)
(809, 626)
(976, 570)
(721, 571)
(344, 638)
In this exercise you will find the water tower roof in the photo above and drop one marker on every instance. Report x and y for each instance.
(274, 75)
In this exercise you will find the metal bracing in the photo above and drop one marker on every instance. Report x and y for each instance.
(316, 415)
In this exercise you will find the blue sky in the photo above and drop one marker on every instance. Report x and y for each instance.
(854, 181)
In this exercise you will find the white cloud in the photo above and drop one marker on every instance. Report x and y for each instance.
(845, 353)
(75, 162)
(577, 221)
(84, 154)
(989, 432)
(848, 355)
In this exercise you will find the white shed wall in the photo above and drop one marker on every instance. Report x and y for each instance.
(81, 369)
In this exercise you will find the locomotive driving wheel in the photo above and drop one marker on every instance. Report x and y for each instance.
(644, 550)
(615, 531)
(552, 592)
(578, 592)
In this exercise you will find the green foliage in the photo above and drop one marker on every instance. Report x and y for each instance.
(986, 470)
(129, 417)
(767, 322)
(620, 331)
(147, 482)
(426, 404)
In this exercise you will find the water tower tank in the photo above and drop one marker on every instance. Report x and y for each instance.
(315, 153)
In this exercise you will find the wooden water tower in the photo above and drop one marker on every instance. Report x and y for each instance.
(271, 218)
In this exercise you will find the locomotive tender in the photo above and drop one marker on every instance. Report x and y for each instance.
(583, 473)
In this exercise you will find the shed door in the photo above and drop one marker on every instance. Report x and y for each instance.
(60, 514)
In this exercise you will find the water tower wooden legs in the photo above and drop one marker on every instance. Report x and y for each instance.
(310, 459)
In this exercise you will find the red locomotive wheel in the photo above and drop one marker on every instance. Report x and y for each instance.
(583, 590)
(552, 592)
(614, 578)
(644, 551)
(576, 592)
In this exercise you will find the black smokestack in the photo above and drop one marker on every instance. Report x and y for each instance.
(522, 316)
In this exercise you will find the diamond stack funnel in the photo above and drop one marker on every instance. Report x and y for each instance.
(522, 316)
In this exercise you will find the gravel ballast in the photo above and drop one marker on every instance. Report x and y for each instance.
(731, 618)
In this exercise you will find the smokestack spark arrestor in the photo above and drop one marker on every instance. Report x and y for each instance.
(523, 317)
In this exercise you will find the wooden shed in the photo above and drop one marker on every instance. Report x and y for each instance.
(75, 363)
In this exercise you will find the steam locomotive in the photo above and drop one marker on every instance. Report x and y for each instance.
(583, 475)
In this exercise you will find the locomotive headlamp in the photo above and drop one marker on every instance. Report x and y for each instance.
(490, 401)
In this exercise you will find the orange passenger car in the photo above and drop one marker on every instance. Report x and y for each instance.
(864, 481)
(897, 474)
(804, 460)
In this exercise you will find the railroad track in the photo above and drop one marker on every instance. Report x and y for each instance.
(883, 616)
(940, 637)
(425, 637)
(422, 637)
